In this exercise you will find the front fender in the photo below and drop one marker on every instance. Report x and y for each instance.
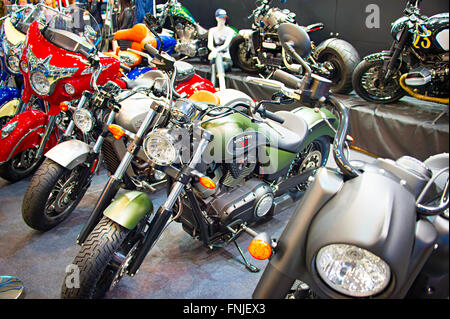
(27, 134)
(379, 56)
(129, 209)
(246, 33)
(69, 154)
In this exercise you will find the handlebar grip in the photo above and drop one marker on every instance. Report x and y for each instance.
(287, 78)
(270, 115)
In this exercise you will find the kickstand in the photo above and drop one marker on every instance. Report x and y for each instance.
(248, 265)
(440, 115)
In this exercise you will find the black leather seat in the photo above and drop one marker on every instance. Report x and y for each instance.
(294, 133)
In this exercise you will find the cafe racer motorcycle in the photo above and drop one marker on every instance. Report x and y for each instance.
(416, 64)
(259, 49)
(224, 186)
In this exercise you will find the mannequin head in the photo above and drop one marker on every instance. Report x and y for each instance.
(221, 17)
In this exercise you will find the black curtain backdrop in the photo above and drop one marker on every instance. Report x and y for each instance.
(345, 19)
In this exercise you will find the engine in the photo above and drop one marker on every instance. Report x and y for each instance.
(248, 202)
(431, 78)
(274, 18)
(186, 44)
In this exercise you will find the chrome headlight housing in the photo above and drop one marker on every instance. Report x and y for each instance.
(13, 63)
(159, 147)
(352, 271)
(40, 83)
(84, 120)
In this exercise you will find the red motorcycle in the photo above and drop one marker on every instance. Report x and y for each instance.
(55, 69)
(58, 64)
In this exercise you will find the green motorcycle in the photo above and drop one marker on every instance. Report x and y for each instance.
(228, 166)
(192, 38)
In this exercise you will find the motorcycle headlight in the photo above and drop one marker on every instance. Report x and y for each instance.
(84, 120)
(352, 271)
(40, 83)
(13, 63)
(159, 147)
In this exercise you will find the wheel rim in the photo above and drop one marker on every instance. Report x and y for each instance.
(60, 199)
(24, 161)
(372, 85)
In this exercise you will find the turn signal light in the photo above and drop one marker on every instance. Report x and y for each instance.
(260, 249)
(350, 138)
(116, 131)
(207, 182)
(64, 106)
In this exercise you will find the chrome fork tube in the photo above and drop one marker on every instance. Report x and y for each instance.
(48, 132)
(101, 138)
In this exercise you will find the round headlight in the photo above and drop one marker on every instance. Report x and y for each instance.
(352, 271)
(159, 147)
(24, 66)
(39, 83)
(13, 63)
(84, 120)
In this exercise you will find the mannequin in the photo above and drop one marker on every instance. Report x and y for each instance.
(219, 39)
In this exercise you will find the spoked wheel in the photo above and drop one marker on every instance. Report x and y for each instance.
(52, 195)
(20, 166)
(313, 156)
(102, 260)
(369, 84)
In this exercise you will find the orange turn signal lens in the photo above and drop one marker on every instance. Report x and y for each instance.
(207, 182)
(64, 106)
(259, 249)
(116, 131)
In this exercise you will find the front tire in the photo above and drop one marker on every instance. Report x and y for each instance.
(368, 86)
(48, 199)
(95, 262)
(20, 166)
(341, 58)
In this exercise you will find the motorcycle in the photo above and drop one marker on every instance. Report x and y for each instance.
(364, 230)
(259, 50)
(192, 39)
(127, 45)
(12, 33)
(55, 68)
(215, 193)
(416, 64)
(61, 181)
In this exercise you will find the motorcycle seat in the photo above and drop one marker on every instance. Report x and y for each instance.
(293, 131)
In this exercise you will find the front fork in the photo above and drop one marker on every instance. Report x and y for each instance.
(163, 214)
(395, 51)
(113, 184)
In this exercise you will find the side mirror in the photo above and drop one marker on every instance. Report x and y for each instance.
(295, 37)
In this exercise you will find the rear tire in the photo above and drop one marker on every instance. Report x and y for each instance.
(94, 261)
(238, 53)
(51, 182)
(344, 58)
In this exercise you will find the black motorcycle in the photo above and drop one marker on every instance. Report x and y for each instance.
(259, 49)
(377, 230)
(416, 64)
